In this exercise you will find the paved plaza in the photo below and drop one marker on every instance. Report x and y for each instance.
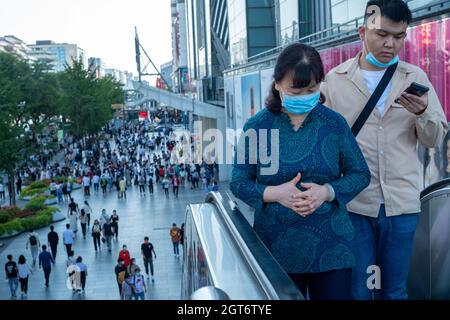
(140, 216)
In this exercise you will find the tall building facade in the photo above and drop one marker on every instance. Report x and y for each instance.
(96, 66)
(180, 76)
(208, 48)
(17, 47)
(252, 28)
(58, 55)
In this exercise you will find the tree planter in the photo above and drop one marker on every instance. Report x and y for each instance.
(35, 215)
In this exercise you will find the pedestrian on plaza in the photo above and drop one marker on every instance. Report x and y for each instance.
(148, 251)
(175, 237)
(103, 184)
(2, 191)
(140, 288)
(70, 259)
(385, 215)
(72, 215)
(121, 273)
(108, 233)
(96, 234)
(19, 185)
(127, 288)
(83, 222)
(166, 184)
(104, 217)
(73, 276)
(53, 240)
(87, 208)
(68, 237)
(12, 273)
(59, 193)
(115, 224)
(182, 234)
(150, 184)
(83, 273)
(175, 185)
(132, 267)
(53, 186)
(45, 261)
(123, 188)
(87, 185)
(141, 181)
(34, 244)
(124, 254)
(96, 182)
(24, 271)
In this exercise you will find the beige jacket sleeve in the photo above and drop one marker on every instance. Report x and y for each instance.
(431, 126)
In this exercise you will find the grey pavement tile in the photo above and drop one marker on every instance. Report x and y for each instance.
(139, 217)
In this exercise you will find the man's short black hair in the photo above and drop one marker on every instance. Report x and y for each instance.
(395, 10)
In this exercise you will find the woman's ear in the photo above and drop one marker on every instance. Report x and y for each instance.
(277, 86)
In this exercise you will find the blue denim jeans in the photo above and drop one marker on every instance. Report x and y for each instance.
(13, 284)
(176, 249)
(385, 242)
(139, 296)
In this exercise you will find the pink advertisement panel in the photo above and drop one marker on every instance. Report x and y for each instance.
(426, 46)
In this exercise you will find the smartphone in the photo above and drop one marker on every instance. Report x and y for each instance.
(417, 89)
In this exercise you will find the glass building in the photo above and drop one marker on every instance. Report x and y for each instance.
(252, 28)
(208, 48)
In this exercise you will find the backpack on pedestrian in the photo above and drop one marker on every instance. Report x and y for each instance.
(138, 283)
(33, 240)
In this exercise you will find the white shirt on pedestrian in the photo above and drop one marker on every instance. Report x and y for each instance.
(86, 181)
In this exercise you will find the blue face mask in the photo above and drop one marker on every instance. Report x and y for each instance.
(373, 61)
(300, 105)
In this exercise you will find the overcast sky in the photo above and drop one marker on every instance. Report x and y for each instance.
(103, 28)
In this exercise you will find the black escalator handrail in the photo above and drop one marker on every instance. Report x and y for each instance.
(434, 187)
(281, 283)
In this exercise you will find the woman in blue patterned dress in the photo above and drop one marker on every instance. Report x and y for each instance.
(300, 211)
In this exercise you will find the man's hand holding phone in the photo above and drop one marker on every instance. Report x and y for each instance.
(415, 99)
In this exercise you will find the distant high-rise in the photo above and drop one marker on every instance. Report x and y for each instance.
(58, 55)
(17, 47)
(96, 66)
(180, 76)
(208, 48)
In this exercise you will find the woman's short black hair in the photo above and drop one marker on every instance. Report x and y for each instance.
(306, 64)
(22, 259)
(395, 10)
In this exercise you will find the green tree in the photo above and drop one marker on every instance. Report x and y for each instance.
(87, 100)
(14, 128)
(43, 97)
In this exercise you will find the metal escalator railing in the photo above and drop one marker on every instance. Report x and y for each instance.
(221, 250)
(429, 275)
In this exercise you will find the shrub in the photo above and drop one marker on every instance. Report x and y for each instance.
(48, 211)
(39, 184)
(12, 226)
(35, 204)
(4, 217)
(9, 210)
(35, 215)
(32, 192)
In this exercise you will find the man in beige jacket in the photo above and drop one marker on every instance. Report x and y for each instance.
(386, 213)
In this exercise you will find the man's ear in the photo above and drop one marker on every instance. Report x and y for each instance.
(362, 33)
